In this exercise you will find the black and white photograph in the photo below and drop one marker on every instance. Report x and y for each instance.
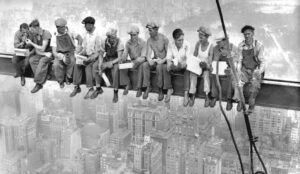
(149, 87)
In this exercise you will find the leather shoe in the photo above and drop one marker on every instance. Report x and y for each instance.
(36, 88)
(76, 90)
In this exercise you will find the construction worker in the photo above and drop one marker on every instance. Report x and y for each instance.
(136, 48)
(63, 48)
(251, 64)
(40, 61)
(203, 51)
(178, 51)
(221, 54)
(21, 63)
(157, 44)
(91, 49)
(113, 49)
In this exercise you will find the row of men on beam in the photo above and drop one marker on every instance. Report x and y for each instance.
(105, 57)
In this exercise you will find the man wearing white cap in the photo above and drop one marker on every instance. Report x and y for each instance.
(203, 51)
(222, 52)
(157, 45)
(63, 48)
(109, 64)
(136, 48)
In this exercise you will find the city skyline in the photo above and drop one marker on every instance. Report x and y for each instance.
(136, 135)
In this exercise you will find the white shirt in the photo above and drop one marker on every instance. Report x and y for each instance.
(91, 42)
(203, 55)
(180, 55)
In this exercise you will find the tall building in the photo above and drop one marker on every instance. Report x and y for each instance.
(71, 143)
(92, 161)
(147, 157)
(16, 132)
(94, 136)
(212, 165)
(13, 162)
(120, 140)
(142, 120)
(268, 120)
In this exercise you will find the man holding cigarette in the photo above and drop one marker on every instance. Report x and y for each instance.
(21, 63)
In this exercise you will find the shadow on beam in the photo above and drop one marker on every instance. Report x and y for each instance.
(273, 93)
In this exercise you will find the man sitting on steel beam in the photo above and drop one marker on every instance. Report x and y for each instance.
(63, 48)
(21, 63)
(136, 48)
(113, 49)
(221, 54)
(251, 63)
(157, 46)
(40, 61)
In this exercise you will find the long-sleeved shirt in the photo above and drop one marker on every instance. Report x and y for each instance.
(258, 52)
(180, 55)
(91, 42)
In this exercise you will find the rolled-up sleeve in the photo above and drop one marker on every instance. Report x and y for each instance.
(17, 40)
(261, 57)
(170, 53)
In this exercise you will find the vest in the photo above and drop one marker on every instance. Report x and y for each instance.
(250, 59)
(64, 43)
(111, 50)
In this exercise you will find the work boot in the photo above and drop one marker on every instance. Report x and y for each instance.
(96, 92)
(61, 85)
(89, 93)
(146, 93)
(23, 81)
(36, 88)
(160, 94)
(168, 96)
(76, 90)
(229, 105)
(68, 81)
(139, 92)
(115, 98)
(16, 75)
(206, 103)
(192, 100)
(239, 106)
(250, 109)
(212, 102)
(186, 98)
(125, 92)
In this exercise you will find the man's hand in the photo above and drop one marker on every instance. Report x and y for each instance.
(183, 65)
(60, 56)
(151, 62)
(28, 41)
(140, 59)
(78, 49)
(160, 61)
(169, 65)
(48, 54)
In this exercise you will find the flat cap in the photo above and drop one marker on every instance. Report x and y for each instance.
(152, 25)
(220, 36)
(60, 22)
(247, 27)
(133, 30)
(204, 30)
(88, 20)
(111, 32)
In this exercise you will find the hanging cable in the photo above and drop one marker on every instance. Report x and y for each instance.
(252, 139)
